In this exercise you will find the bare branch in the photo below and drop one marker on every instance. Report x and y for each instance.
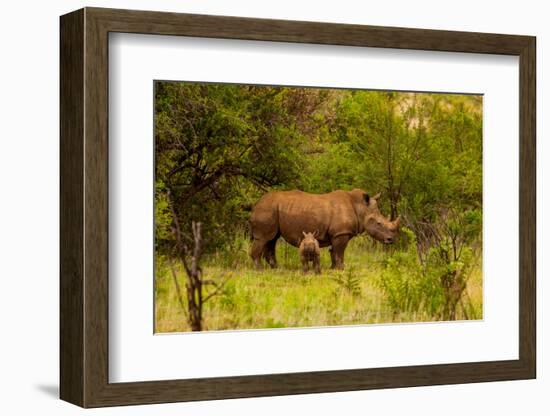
(218, 289)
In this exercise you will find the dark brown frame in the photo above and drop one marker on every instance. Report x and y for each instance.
(84, 207)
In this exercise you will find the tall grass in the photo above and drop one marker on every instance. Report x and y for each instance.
(286, 297)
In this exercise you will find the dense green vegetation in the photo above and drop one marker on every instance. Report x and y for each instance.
(220, 147)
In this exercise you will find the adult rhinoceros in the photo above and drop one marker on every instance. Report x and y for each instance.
(337, 217)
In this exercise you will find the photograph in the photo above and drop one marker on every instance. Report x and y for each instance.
(291, 206)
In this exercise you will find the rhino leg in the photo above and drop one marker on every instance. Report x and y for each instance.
(258, 248)
(264, 230)
(305, 265)
(338, 248)
(317, 264)
(269, 253)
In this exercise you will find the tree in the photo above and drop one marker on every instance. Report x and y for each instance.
(422, 150)
(386, 143)
(190, 258)
(218, 147)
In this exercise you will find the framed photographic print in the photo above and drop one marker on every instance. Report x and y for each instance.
(255, 207)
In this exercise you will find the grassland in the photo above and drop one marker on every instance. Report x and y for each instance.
(286, 297)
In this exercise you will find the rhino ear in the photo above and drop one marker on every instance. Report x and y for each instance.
(367, 198)
(304, 233)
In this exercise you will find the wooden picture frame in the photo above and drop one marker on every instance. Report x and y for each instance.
(84, 207)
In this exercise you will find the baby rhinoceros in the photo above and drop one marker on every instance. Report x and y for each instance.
(310, 252)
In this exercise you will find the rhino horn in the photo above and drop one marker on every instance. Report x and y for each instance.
(397, 222)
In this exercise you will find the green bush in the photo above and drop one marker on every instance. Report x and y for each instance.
(349, 282)
(408, 286)
(431, 285)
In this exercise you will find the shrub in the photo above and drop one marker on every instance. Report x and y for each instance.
(430, 278)
(407, 284)
(349, 282)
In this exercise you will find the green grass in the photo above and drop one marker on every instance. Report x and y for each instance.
(285, 297)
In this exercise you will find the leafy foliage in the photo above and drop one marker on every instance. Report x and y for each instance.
(349, 282)
(431, 277)
(218, 147)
